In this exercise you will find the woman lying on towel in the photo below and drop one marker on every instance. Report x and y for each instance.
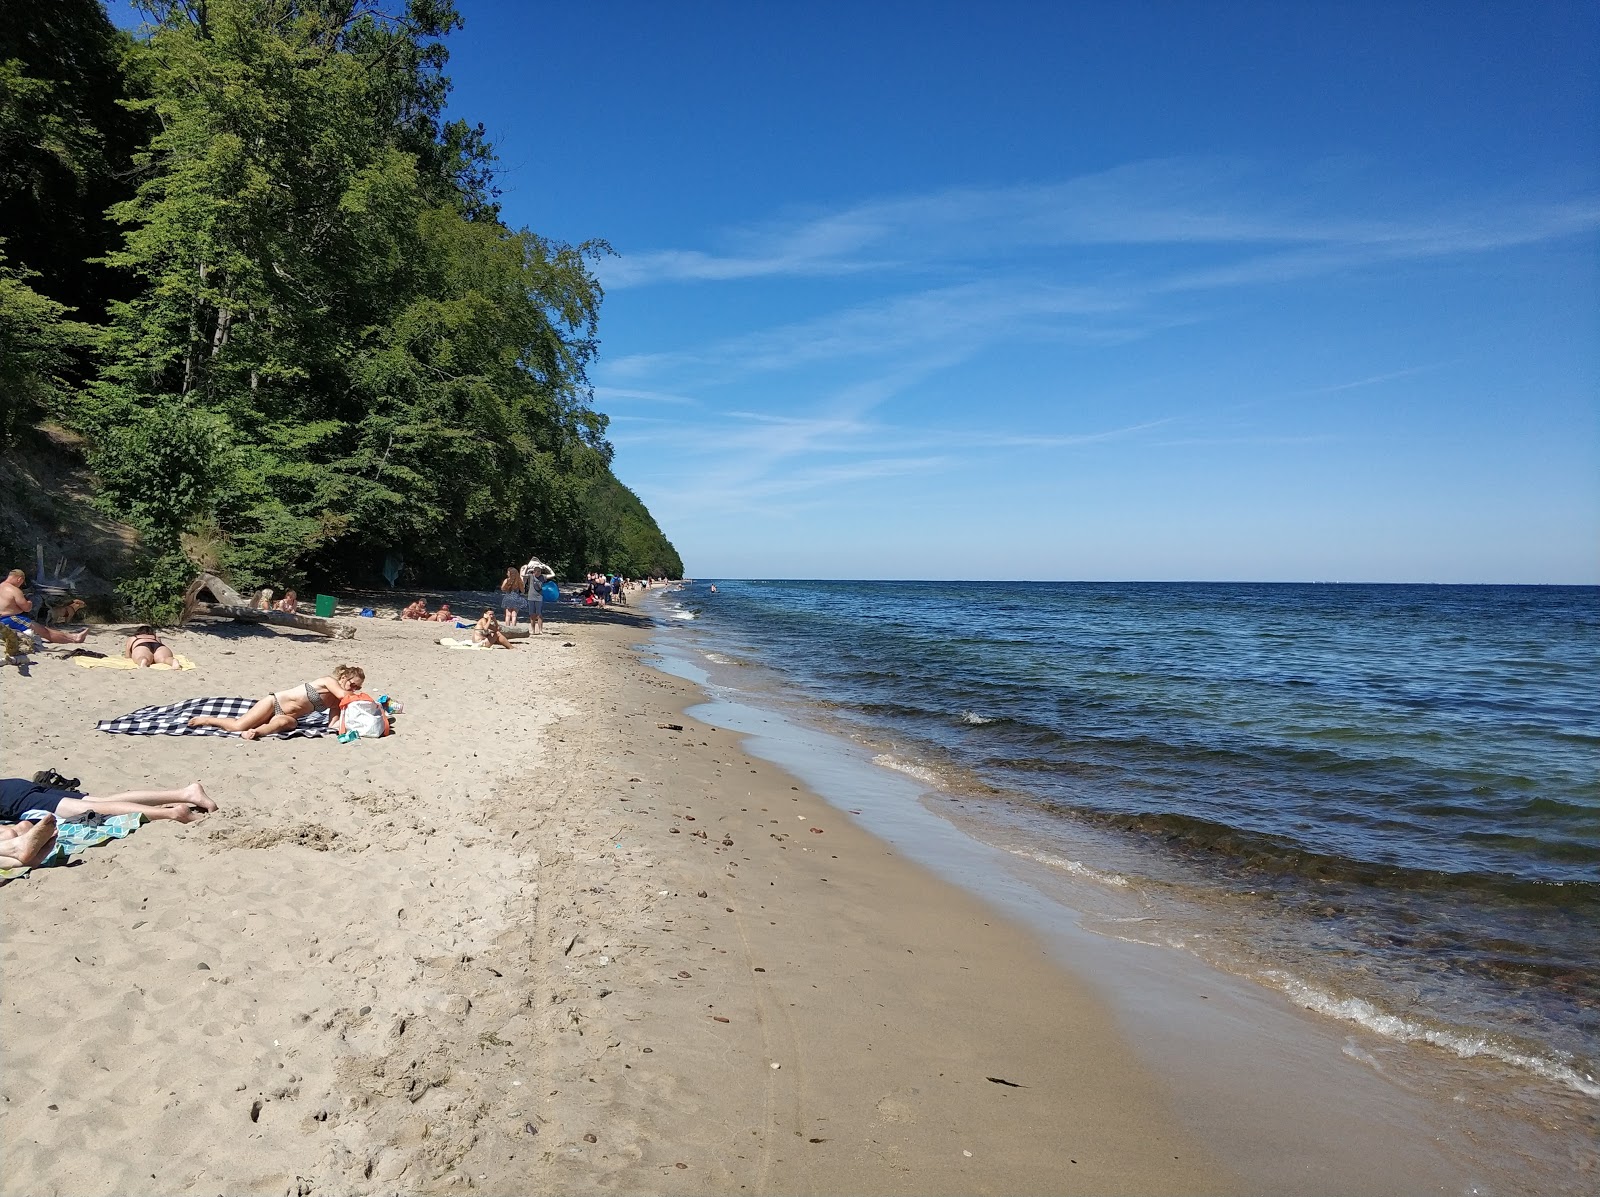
(145, 647)
(281, 711)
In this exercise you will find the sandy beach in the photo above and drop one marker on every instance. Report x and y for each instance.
(556, 936)
(552, 936)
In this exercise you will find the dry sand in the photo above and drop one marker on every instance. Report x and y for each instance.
(536, 942)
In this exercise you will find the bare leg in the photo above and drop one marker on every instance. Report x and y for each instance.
(55, 637)
(260, 713)
(142, 656)
(278, 723)
(27, 844)
(163, 655)
(140, 802)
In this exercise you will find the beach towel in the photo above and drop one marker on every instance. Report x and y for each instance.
(449, 643)
(178, 662)
(73, 838)
(173, 720)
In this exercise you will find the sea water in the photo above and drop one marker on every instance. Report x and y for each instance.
(1383, 801)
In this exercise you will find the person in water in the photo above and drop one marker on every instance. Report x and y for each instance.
(146, 649)
(281, 711)
(16, 612)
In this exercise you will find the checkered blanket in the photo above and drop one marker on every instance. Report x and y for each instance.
(173, 719)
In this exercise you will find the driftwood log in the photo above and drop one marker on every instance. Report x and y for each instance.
(228, 603)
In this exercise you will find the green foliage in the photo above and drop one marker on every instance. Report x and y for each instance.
(37, 345)
(335, 349)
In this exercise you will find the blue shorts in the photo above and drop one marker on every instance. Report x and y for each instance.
(17, 797)
(17, 623)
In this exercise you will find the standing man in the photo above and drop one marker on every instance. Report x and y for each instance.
(534, 575)
(16, 612)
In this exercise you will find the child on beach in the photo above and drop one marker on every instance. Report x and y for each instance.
(281, 711)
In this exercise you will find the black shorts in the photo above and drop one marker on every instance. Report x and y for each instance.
(18, 796)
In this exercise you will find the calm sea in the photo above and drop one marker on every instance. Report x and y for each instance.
(1383, 800)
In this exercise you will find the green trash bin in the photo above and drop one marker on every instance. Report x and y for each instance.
(325, 605)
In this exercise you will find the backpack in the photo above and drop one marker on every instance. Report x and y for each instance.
(362, 714)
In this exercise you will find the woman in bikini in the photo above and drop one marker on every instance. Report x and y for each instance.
(281, 711)
(487, 631)
(146, 649)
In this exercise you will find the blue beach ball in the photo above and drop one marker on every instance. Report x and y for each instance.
(551, 592)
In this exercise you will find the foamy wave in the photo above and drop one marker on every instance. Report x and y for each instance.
(889, 762)
(1392, 1026)
(974, 719)
(717, 658)
(1075, 867)
(681, 614)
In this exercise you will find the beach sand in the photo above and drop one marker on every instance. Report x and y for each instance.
(540, 940)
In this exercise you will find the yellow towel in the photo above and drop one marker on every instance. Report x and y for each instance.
(179, 662)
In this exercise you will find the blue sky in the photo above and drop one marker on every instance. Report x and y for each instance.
(1266, 291)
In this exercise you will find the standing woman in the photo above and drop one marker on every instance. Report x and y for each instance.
(511, 586)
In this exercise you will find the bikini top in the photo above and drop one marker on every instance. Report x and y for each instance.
(314, 697)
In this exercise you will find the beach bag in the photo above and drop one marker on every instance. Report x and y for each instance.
(362, 714)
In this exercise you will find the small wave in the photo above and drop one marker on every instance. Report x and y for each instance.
(1075, 867)
(685, 615)
(899, 766)
(973, 719)
(1392, 1026)
(717, 659)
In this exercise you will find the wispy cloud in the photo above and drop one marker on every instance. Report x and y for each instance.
(1169, 202)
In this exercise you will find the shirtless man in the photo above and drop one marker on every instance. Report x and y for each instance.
(15, 613)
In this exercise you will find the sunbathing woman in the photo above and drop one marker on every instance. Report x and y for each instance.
(146, 649)
(442, 615)
(281, 711)
(487, 631)
(417, 610)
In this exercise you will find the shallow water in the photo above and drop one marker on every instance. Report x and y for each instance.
(1383, 801)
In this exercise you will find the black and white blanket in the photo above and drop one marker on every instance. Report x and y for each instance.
(173, 720)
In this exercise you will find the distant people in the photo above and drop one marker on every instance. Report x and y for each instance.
(290, 602)
(512, 586)
(534, 575)
(442, 615)
(16, 612)
(18, 797)
(281, 711)
(417, 610)
(144, 647)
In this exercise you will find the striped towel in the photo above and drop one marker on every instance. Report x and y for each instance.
(173, 719)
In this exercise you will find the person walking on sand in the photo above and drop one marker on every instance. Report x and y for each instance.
(281, 711)
(16, 612)
(512, 587)
(534, 575)
(18, 797)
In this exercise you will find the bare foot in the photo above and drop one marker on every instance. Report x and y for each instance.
(249, 734)
(78, 638)
(195, 793)
(34, 844)
(181, 812)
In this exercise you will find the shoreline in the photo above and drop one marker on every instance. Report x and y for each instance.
(423, 964)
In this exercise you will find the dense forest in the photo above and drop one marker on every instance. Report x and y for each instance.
(249, 264)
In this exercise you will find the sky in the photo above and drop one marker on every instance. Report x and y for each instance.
(1131, 290)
